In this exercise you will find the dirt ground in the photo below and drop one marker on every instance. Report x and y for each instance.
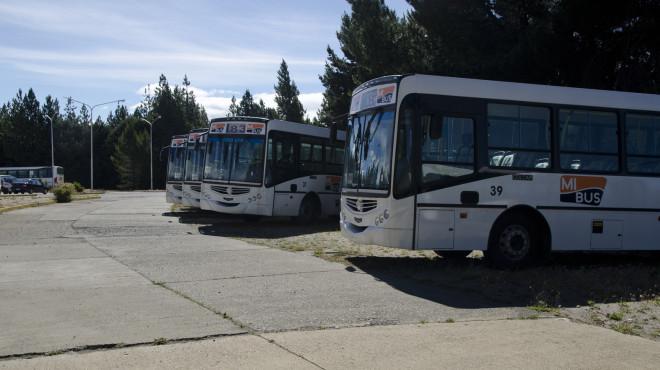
(616, 291)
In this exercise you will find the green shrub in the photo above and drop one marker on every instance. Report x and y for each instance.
(63, 192)
(79, 188)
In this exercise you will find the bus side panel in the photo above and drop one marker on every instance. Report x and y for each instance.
(287, 202)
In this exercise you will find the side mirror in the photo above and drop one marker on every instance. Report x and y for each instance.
(294, 188)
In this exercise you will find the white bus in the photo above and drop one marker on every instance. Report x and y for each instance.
(259, 167)
(194, 167)
(175, 169)
(516, 170)
(42, 173)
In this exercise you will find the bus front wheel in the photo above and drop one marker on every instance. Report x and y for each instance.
(514, 242)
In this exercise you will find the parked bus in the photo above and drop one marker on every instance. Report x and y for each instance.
(41, 173)
(176, 169)
(194, 168)
(260, 167)
(516, 170)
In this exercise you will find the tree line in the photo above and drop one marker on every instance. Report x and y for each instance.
(592, 44)
(121, 140)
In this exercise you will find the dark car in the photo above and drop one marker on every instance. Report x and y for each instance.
(29, 186)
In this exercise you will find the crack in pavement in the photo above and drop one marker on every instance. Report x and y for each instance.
(110, 346)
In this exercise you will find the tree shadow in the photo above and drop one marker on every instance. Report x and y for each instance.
(568, 280)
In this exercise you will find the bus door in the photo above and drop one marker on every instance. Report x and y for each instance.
(447, 160)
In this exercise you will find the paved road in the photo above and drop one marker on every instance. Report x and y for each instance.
(123, 271)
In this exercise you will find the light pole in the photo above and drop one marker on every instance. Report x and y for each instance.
(91, 135)
(52, 149)
(151, 149)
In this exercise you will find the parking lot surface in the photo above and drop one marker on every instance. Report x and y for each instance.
(125, 271)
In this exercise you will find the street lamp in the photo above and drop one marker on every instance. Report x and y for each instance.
(52, 149)
(151, 148)
(91, 135)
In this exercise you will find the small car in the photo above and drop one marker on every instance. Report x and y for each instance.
(6, 183)
(29, 186)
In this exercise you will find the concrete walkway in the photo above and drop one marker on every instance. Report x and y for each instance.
(82, 279)
(501, 344)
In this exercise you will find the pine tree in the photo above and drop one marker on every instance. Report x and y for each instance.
(289, 106)
(131, 155)
(233, 108)
(247, 106)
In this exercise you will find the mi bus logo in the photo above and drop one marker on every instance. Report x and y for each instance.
(582, 189)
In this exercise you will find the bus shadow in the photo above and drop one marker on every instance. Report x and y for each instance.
(216, 224)
(568, 280)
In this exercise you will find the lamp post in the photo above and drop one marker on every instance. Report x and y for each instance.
(151, 148)
(91, 135)
(52, 149)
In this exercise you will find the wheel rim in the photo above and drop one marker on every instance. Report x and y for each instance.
(515, 242)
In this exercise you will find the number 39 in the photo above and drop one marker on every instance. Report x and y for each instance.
(496, 190)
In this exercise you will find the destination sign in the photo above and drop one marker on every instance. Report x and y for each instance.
(374, 97)
(240, 128)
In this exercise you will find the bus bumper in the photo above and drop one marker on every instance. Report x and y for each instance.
(172, 195)
(190, 197)
(395, 238)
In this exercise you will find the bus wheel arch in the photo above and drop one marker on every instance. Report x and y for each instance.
(310, 208)
(519, 236)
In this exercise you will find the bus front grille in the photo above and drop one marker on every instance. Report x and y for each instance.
(239, 191)
(178, 187)
(361, 205)
(196, 188)
(220, 189)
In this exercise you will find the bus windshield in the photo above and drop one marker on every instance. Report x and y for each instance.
(369, 150)
(235, 159)
(176, 164)
(195, 161)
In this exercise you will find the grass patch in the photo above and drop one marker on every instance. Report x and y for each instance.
(450, 320)
(625, 328)
(160, 341)
(615, 316)
(543, 307)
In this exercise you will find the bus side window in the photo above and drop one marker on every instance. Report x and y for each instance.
(519, 136)
(588, 140)
(447, 147)
(284, 166)
(643, 143)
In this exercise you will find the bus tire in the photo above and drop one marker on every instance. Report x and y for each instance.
(515, 242)
(310, 210)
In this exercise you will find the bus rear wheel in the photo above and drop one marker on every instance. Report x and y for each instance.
(310, 210)
(514, 242)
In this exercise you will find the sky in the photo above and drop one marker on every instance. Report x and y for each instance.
(98, 51)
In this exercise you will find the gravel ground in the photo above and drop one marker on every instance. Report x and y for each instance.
(13, 201)
(616, 291)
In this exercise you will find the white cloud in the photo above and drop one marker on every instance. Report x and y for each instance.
(217, 101)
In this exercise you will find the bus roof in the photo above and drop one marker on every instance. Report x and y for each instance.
(523, 92)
